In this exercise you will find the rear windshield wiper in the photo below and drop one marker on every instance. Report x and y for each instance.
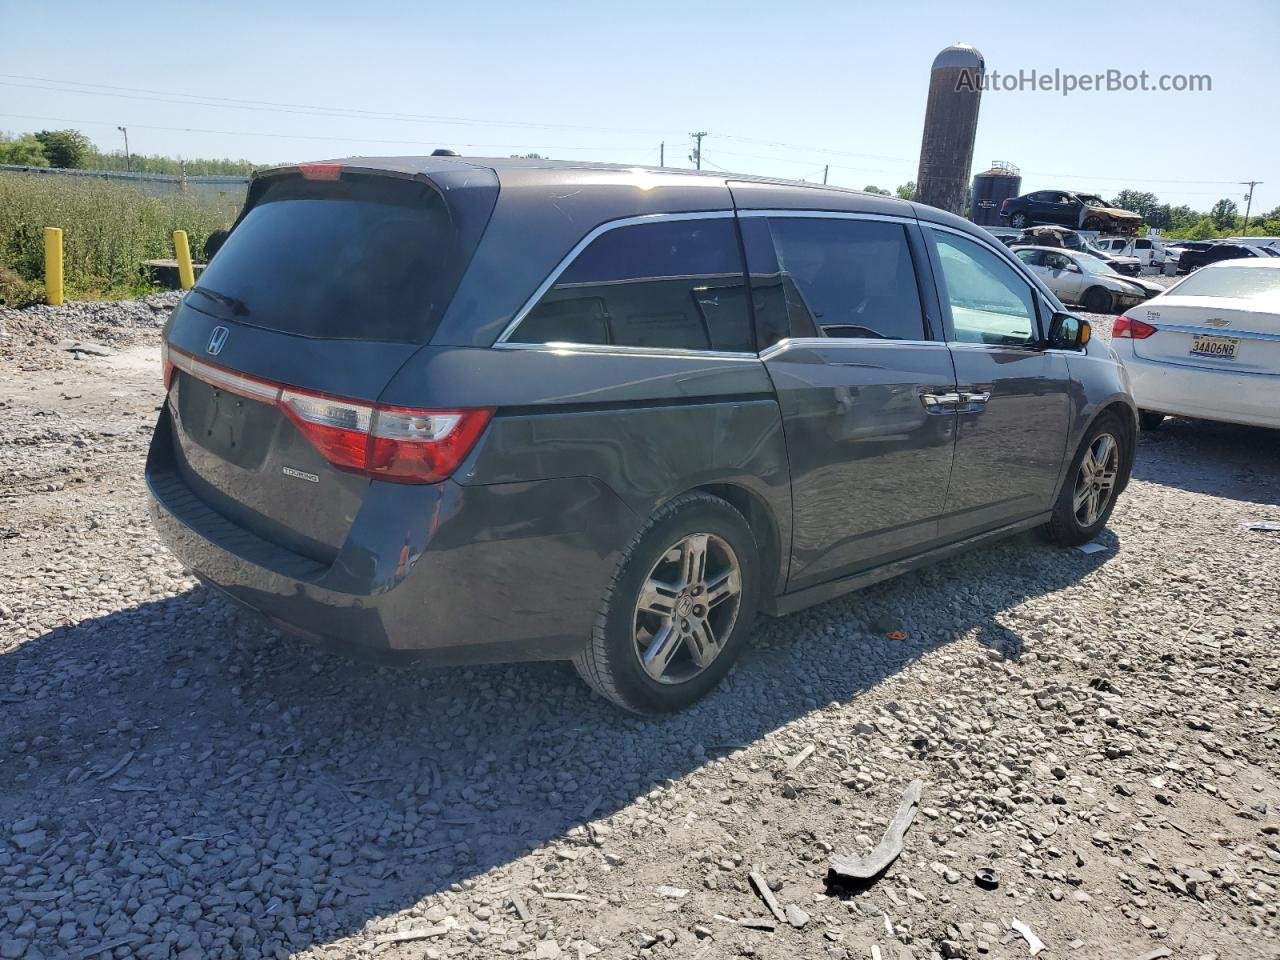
(236, 306)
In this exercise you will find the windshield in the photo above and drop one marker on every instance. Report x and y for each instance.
(1090, 201)
(1093, 265)
(1242, 283)
(360, 258)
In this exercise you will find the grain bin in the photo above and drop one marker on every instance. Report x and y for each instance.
(990, 189)
(950, 124)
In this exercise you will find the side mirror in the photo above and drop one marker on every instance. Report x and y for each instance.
(1073, 268)
(1069, 332)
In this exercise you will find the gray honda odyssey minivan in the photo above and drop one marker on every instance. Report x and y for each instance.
(513, 409)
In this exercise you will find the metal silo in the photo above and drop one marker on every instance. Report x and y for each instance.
(990, 189)
(950, 124)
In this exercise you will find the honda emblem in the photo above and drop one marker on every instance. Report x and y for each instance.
(216, 340)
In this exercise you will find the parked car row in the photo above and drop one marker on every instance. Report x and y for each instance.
(1194, 254)
(1148, 251)
(1078, 242)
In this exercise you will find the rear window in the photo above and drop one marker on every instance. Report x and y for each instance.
(359, 258)
(1243, 283)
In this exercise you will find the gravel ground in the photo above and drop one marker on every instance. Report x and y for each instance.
(178, 781)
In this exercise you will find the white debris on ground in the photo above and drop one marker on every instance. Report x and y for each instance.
(1098, 732)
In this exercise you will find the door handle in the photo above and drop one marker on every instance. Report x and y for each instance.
(940, 403)
(973, 401)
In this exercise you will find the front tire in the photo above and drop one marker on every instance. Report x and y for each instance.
(1097, 300)
(678, 610)
(1089, 494)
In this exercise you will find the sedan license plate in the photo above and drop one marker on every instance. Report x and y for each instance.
(1222, 348)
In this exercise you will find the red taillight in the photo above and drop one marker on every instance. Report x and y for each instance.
(1126, 327)
(167, 365)
(422, 445)
(320, 171)
(1004, 204)
(401, 444)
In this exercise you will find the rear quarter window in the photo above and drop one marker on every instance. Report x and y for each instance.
(672, 284)
(360, 258)
(850, 278)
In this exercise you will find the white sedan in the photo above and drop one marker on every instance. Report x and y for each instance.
(1208, 347)
(1084, 279)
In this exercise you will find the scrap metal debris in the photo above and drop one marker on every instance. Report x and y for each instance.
(1034, 943)
(890, 845)
(761, 886)
(801, 757)
(1265, 526)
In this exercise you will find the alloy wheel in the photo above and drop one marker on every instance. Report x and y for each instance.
(687, 608)
(1096, 481)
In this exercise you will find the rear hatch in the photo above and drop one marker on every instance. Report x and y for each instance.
(1222, 317)
(330, 280)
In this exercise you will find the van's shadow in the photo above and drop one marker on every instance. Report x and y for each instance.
(332, 793)
(1219, 459)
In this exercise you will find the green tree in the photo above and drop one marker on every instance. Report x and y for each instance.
(1139, 201)
(1181, 217)
(907, 191)
(23, 151)
(1224, 213)
(65, 148)
(1203, 230)
(872, 188)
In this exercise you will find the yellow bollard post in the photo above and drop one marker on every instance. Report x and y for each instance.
(182, 247)
(53, 265)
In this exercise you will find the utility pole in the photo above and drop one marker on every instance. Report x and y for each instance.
(662, 154)
(825, 168)
(128, 161)
(696, 156)
(1248, 201)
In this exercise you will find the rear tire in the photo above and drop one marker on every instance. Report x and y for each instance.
(1019, 221)
(655, 648)
(1097, 300)
(1089, 493)
(1150, 421)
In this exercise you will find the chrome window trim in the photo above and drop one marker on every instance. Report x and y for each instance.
(841, 342)
(828, 215)
(586, 241)
(970, 345)
(676, 353)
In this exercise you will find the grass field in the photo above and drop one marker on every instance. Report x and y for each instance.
(108, 230)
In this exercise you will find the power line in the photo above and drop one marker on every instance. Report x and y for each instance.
(313, 110)
(303, 109)
(299, 136)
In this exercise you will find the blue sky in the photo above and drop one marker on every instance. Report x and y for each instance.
(782, 89)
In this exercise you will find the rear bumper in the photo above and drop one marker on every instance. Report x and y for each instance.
(1185, 391)
(445, 572)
